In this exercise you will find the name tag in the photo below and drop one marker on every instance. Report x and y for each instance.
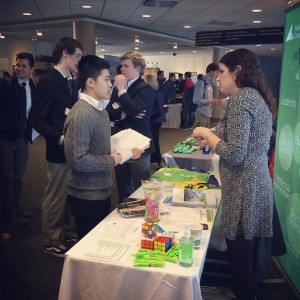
(115, 105)
(67, 111)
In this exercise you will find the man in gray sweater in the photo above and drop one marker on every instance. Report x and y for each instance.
(87, 147)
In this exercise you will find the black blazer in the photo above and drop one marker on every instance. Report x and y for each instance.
(139, 98)
(10, 108)
(51, 104)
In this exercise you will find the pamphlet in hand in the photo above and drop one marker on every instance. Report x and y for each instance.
(126, 140)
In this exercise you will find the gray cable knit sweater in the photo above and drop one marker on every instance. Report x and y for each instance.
(87, 151)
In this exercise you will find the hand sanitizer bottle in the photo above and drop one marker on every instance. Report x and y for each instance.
(186, 248)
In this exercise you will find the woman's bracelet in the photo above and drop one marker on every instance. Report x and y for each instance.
(208, 135)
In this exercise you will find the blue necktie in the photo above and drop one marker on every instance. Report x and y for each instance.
(23, 109)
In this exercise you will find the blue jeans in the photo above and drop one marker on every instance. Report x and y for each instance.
(187, 117)
(130, 174)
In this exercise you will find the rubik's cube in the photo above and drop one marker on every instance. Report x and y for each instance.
(164, 242)
(147, 243)
(149, 230)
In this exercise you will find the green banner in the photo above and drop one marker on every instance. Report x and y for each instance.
(287, 155)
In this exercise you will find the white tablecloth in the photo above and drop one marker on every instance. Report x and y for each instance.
(173, 117)
(86, 276)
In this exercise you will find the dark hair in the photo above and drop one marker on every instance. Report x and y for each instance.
(171, 75)
(250, 74)
(65, 43)
(199, 76)
(90, 66)
(159, 73)
(188, 74)
(28, 56)
(212, 67)
(118, 69)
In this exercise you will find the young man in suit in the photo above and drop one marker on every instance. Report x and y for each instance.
(15, 132)
(131, 106)
(55, 95)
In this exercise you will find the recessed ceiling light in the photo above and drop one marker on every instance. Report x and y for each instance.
(39, 32)
(258, 45)
(187, 26)
(256, 10)
(175, 46)
(146, 16)
(273, 49)
(161, 52)
(195, 51)
(256, 22)
(26, 14)
(86, 6)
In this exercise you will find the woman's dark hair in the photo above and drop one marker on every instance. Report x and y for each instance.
(90, 66)
(250, 74)
(65, 43)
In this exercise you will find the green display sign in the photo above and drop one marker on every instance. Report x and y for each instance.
(287, 155)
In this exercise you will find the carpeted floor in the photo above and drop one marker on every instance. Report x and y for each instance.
(26, 273)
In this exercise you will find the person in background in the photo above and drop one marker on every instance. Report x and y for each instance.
(188, 82)
(15, 133)
(241, 140)
(156, 119)
(203, 96)
(131, 106)
(6, 74)
(161, 79)
(55, 95)
(87, 147)
(199, 77)
(170, 89)
(179, 84)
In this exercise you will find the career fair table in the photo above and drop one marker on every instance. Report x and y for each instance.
(100, 266)
(173, 117)
(196, 160)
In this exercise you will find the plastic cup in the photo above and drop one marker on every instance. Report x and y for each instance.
(196, 233)
(153, 195)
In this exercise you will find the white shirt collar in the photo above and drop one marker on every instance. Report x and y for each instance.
(130, 82)
(92, 101)
(20, 81)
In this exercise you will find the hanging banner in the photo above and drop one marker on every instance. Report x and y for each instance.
(250, 36)
(287, 157)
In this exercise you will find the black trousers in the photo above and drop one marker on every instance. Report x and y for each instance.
(156, 156)
(88, 213)
(250, 260)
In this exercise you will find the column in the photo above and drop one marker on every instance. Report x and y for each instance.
(85, 33)
(217, 54)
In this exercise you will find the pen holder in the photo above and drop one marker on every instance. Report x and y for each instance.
(153, 195)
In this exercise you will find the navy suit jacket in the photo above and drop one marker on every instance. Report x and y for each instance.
(10, 108)
(139, 98)
(51, 104)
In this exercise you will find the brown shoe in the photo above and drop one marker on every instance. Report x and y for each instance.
(5, 238)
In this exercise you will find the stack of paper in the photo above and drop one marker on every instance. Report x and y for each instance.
(126, 140)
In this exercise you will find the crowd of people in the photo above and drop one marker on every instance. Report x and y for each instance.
(77, 129)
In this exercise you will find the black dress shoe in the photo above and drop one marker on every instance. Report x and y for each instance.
(18, 220)
(24, 214)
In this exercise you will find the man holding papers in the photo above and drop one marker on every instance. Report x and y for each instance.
(131, 106)
(87, 147)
